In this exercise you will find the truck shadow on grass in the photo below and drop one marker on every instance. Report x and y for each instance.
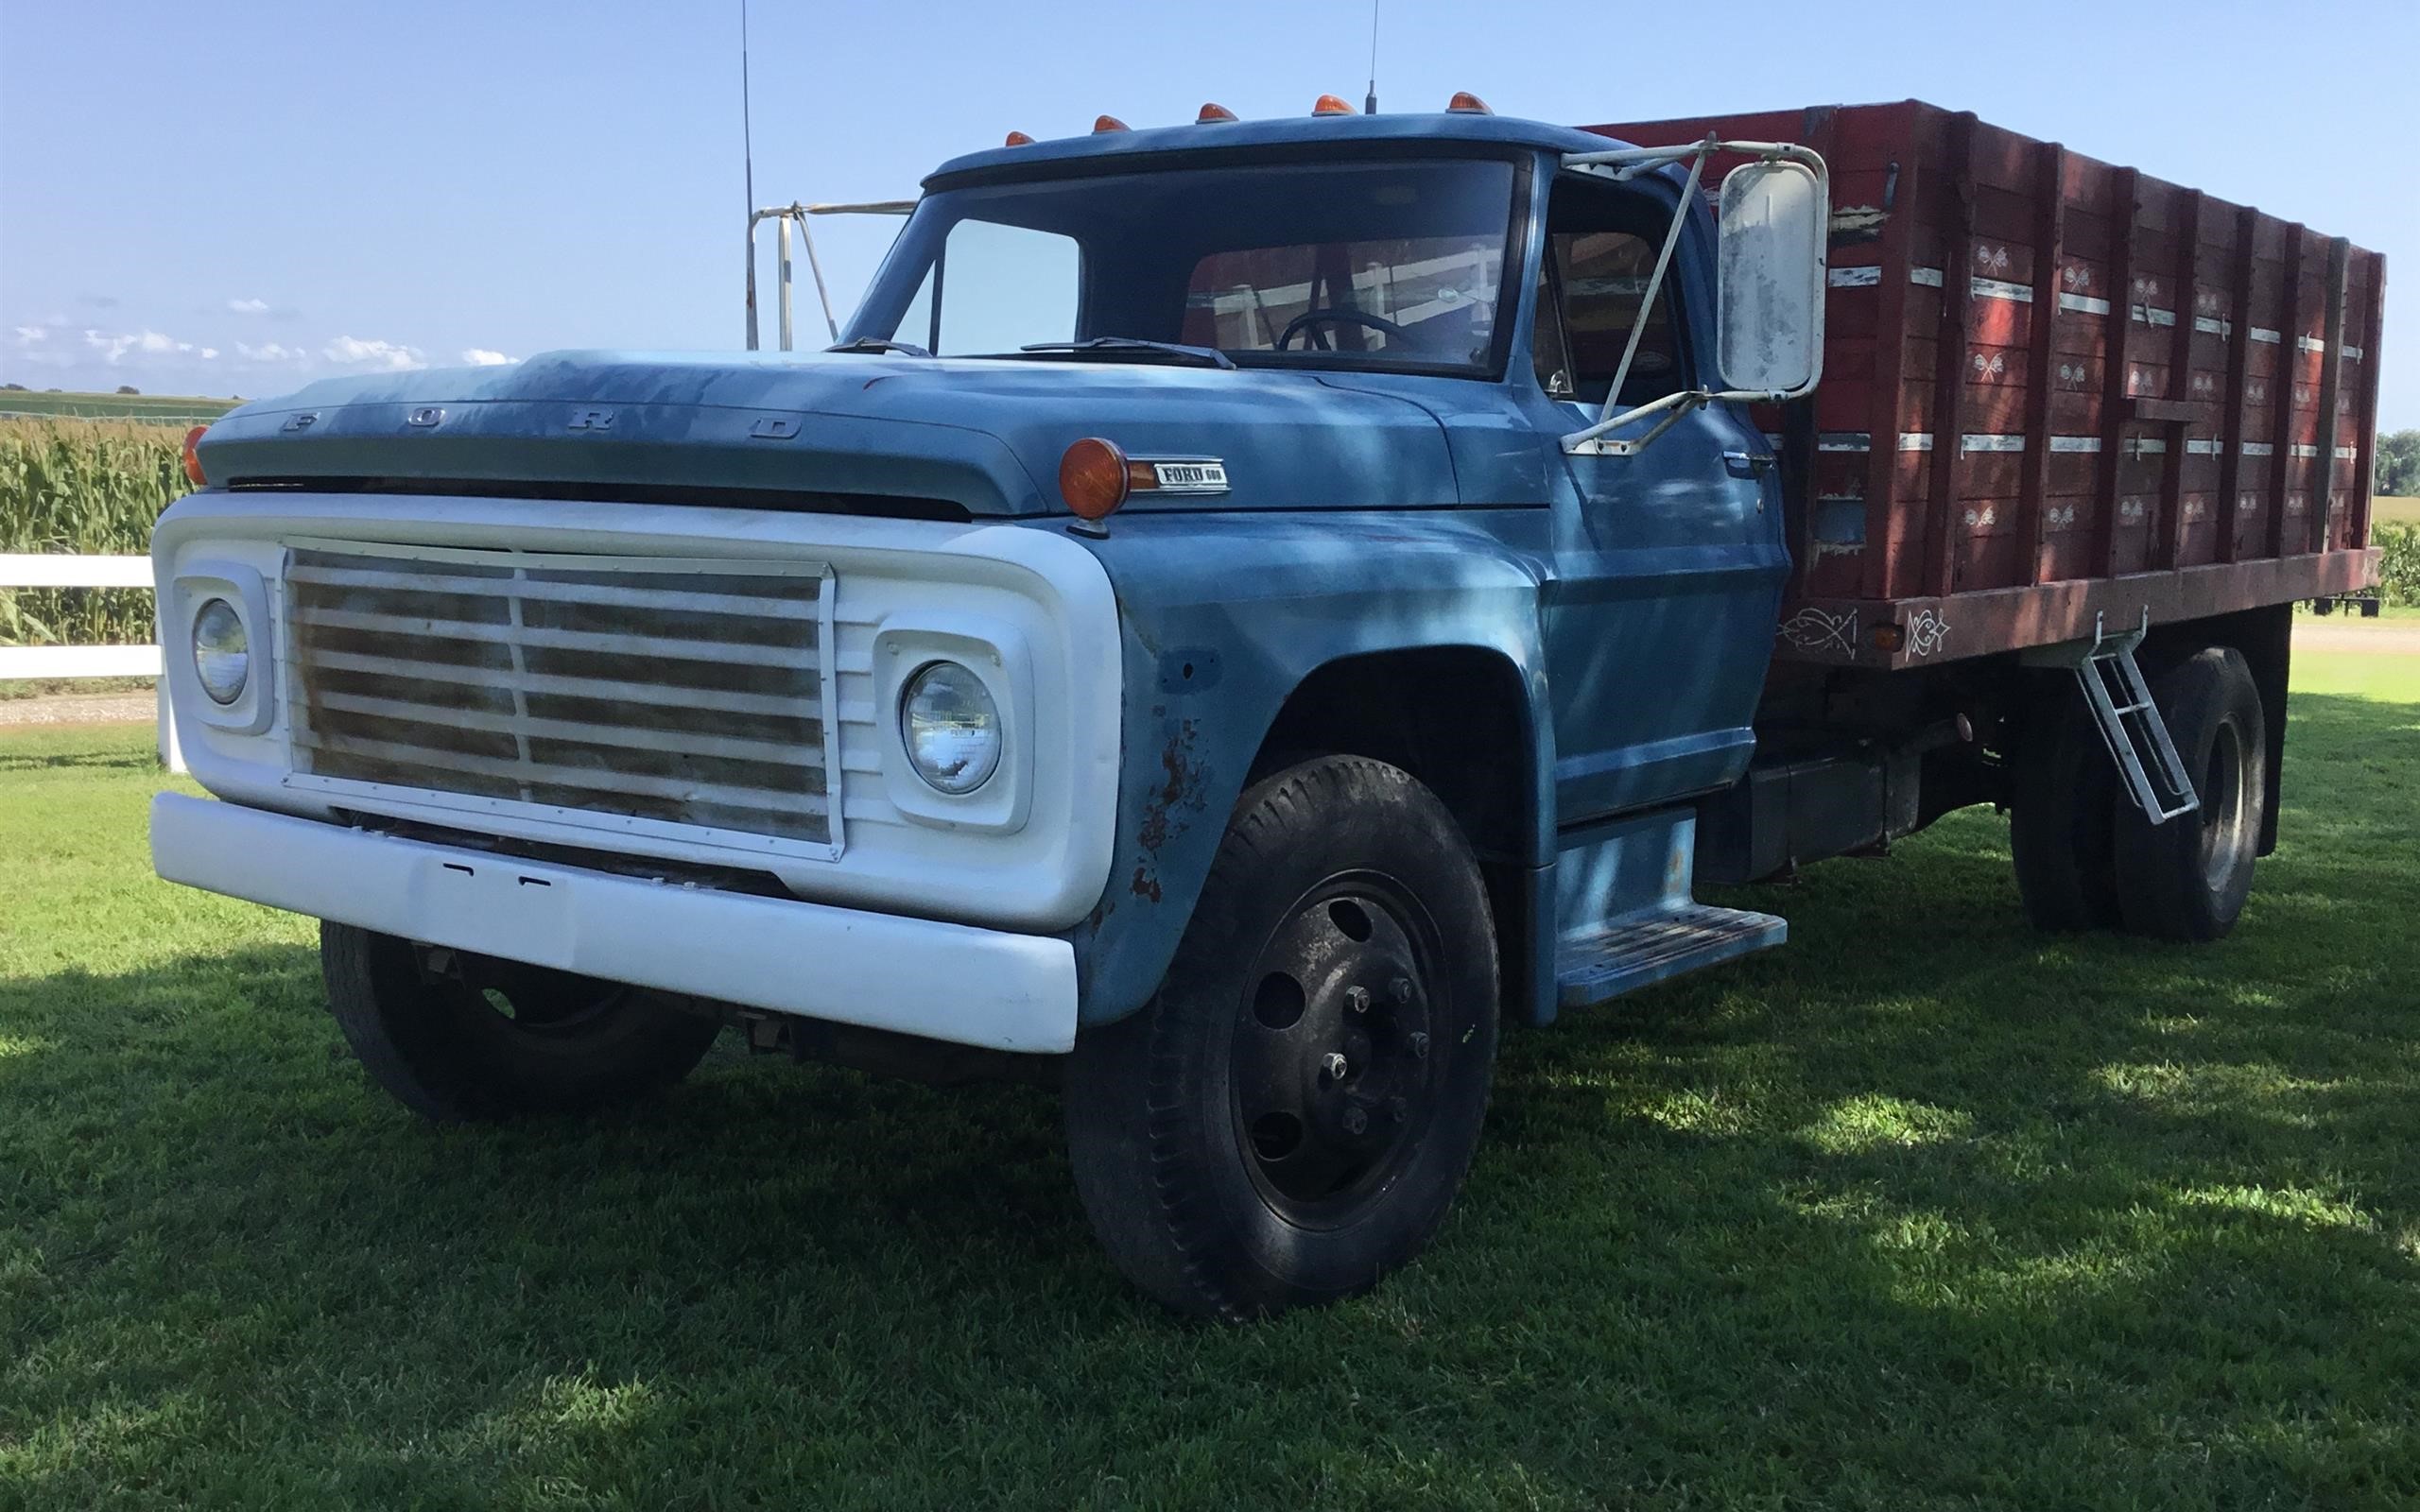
(1924, 1200)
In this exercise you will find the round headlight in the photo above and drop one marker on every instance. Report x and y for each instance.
(951, 728)
(222, 654)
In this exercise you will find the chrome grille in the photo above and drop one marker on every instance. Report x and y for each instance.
(607, 692)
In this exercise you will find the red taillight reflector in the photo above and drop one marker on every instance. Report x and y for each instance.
(1108, 123)
(1093, 477)
(1466, 103)
(1213, 113)
(192, 456)
(1019, 139)
(1332, 105)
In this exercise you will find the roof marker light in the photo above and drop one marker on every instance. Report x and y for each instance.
(1466, 103)
(1019, 139)
(193, 457)
(1213, 113)
(1108, 123)
(1333, 104)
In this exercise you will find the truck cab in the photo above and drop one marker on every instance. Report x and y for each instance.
(1242, 611)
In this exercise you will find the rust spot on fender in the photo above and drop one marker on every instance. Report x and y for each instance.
(1165, 808)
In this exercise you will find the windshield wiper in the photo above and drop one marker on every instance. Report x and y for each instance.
(1208, 356)
(878, 344)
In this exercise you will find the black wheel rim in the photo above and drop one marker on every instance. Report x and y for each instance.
(543, 1003)
(1339, 1049)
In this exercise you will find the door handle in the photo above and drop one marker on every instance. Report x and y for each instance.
(1746, 464)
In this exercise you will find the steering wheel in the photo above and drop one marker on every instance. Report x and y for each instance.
(1338, 313)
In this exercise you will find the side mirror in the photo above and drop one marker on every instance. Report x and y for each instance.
(1774, 227)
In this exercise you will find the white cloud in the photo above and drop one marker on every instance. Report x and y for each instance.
(116, 346)
(271, 352)
(386, 356)
(29, 336)
(249, 306)
(486, 357)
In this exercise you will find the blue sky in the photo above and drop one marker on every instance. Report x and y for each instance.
(234, 201)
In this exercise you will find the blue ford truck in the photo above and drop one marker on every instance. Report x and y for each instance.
(1244, 612)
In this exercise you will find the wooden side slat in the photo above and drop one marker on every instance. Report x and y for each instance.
(2185, 296)
(1950, 360)
(1887, 399)
(2124, 210)
(2281, 437)
(2365, 447)
(2331, 383)
(2238, 339)
(2049, 256)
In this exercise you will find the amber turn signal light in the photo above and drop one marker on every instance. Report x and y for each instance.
(1213, 113)
(1466, 103)
(1094, 478)
(1889, 638)
(192, 456)
(1332, 105)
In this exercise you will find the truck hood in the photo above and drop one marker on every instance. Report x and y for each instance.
(985, 435)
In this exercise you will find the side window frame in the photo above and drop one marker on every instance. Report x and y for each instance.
(1638, 214)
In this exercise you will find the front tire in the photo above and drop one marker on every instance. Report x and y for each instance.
(1290, 1117)
(495, 1039)
(2188, 879)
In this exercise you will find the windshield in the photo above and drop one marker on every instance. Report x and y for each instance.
(1392, 264)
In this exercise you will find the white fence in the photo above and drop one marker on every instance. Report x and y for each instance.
(20, 663)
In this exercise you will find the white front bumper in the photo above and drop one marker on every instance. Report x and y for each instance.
(953, 981)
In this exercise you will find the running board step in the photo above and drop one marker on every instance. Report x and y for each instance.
(1641, 949)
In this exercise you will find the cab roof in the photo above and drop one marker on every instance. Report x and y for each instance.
(1096, 147)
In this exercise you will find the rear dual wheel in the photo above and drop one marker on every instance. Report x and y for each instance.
(1291, 1116)
(2089, 858)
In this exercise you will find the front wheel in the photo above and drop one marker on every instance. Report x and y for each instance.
(1290, 1117)
(492, 1038)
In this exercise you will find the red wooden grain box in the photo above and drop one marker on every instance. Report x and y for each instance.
(2057, 392)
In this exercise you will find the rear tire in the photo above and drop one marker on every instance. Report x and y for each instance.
(442, 1047)
(2188, 879)
(1230, 1168)
(2062, 816)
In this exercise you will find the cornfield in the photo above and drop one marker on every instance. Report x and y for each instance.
(2399, 569)
(90, 487)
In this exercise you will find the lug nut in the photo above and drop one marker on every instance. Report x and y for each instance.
(1333, 1064)
(1356, 999)
(1398, 1109)
(1356, 1121)
(1400, 989)
(1420, 1047)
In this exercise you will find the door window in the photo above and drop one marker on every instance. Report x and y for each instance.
(1600, 250)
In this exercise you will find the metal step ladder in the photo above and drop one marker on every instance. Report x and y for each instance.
(2131, 726)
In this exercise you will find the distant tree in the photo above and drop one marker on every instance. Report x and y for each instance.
(127, 389)
(14, 388)
(2399, 464)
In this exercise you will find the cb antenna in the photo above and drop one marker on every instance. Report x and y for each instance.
(1370, 105)
(748, 172)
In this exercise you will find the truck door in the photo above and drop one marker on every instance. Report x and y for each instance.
(1667, 566)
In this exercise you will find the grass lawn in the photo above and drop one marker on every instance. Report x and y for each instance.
(1923, 1211)
(2406, 510)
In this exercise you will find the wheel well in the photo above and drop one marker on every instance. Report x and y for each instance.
(1457, 718)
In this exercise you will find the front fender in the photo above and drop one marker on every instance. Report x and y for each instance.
(1222, 618)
